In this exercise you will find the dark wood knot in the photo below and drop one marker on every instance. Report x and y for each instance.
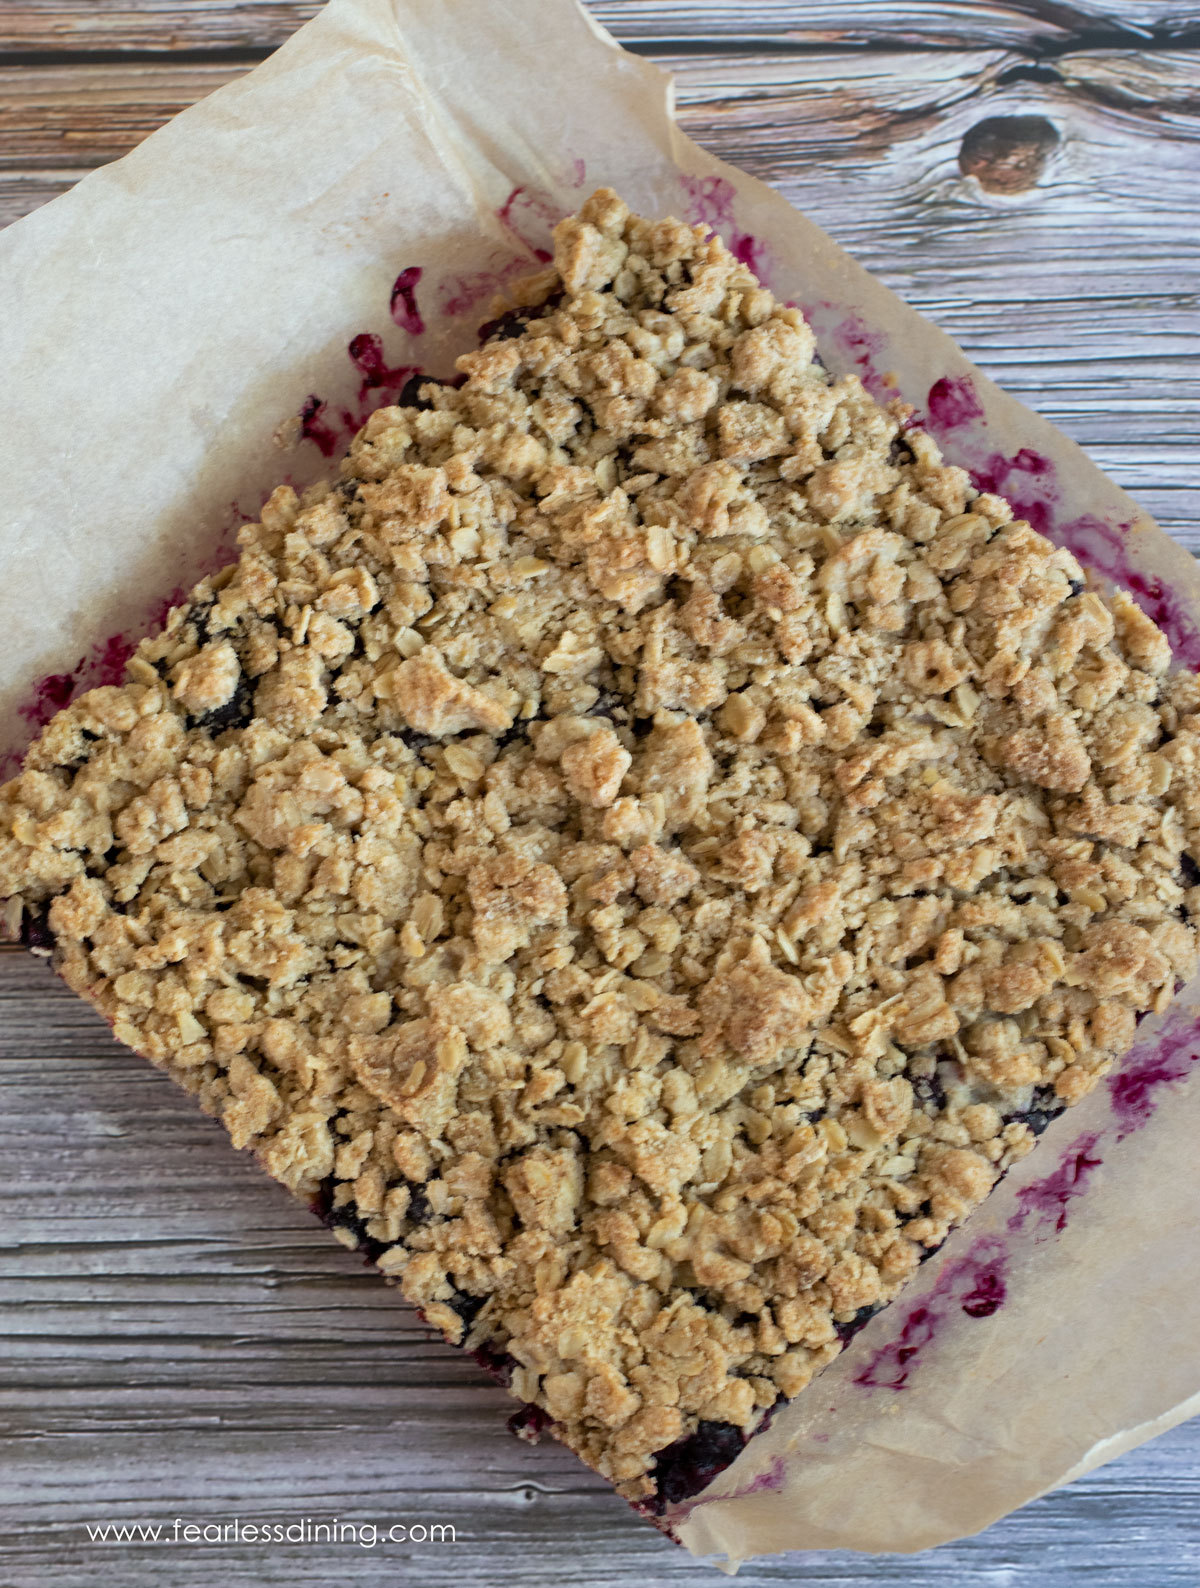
(1008, 154)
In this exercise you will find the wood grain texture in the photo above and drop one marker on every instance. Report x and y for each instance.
(184, 1340)
(1030, 25)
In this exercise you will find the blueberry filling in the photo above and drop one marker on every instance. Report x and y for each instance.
(847, 1331)
(529, 1423)
(415, 740)
(516, 321)
(237, 712)
(1189, 870)
(410, 393)
(346, 1218)
(419, 1210)
(1045, 1107)
(689, 1465)
(930, 1093)
(35, 932)
(1077, 587)
(467, 1307)
(495, 1362)
(97, 868)
(199, 615)
(986, 1298)
(607, 704)
(519, 730)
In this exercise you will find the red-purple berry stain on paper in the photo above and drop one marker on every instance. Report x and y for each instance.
(366, 354)
(858, 344)
(379, 383)
(103, 664)
(1169, 1058)
(1103, 547)
(952, 403)
(1025, 481)
(50, 695)
(461, 293)
(710, 203)
(987, 1297)
(975, 1284)
(530, 216)
(1048, 1201)
(403, 302)
(315, 426)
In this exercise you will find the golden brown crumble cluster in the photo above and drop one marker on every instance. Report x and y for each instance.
(636, 844)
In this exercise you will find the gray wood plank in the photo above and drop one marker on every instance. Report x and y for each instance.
(259, 25)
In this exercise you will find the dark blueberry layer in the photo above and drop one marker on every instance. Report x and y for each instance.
(515, 322)
(1045, 1107)
(35, 931)
(930, 1093)
(346, 1217)
(419, 1210)
(847, 1331)
(410, 393)
(467, 1307)
(495, 1362)
(689, 1465)
(237, 712)
(529, 1423)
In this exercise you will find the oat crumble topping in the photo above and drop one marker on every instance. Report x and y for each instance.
(647, 845)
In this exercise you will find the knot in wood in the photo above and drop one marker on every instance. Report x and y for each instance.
(1008, 154)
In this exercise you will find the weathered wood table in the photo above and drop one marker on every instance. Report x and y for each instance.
(181, 1340)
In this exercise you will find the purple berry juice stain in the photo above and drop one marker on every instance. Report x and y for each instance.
(110, 658)
(975, 1284)
(987, 1297)
(529, 1423)
(50, 695)
(403, 301)
(953, 404)
(1134, 1089)
(711, 203)
(379, 382)
(366, 354)
(461, 293)
(104, 664)
(856, 344)
(1026, 481)
(1102, 546)
(529, 215)
(315, 427)
(1050, 1199)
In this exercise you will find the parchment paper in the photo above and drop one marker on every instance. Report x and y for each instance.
(295, 246)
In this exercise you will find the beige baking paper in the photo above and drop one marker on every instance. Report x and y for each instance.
(295, 245)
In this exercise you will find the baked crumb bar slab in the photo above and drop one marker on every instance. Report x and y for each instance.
(642, 850)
